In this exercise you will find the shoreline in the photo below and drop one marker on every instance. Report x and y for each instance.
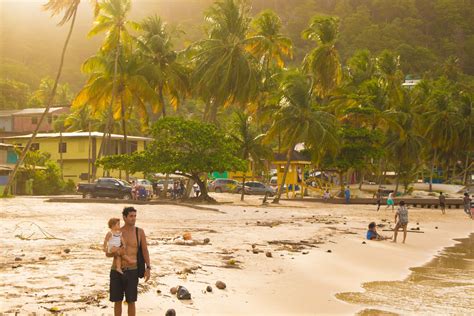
(294, 281)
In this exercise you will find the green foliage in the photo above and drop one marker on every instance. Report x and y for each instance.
(184, 147)
(48, 181)
(13, 94)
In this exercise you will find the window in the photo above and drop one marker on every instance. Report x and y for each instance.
(35, 146)
(133, 147)
(34, 120)
(62, 148)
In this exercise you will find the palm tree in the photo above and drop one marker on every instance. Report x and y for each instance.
(224, 71)
(299, 119)
(163, 70)
(267, 43)
(323, 61)
(69, 10)
(250, 142)
(126, 91)
(112, 19)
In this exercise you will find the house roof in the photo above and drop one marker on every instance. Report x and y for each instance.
(77, 135)
(29, 111)
(6, 145)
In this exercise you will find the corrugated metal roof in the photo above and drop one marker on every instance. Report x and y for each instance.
(6, 145)
(4, 113)
(77, 134)
(31, 111)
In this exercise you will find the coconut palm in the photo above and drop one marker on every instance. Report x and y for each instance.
(250, 142)
(299, 119)
(112, 20)
(163, 70)
(323, 61)
(225, 72)
(69, 10)
(267, 43)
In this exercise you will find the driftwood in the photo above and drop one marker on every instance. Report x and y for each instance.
(45, 233)
(408, 230)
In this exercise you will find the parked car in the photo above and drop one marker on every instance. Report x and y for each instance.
(147, 185)
(254, 187)
(160, 185)
(106, 187)
(222, 185)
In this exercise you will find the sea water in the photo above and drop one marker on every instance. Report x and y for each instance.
(444, 286)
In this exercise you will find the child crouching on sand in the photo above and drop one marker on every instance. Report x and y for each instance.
(114, 240)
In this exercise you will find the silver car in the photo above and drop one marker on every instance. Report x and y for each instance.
(257, 188)
(223, 185)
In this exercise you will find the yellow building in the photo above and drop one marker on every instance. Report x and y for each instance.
(295, 175)
(79, 150)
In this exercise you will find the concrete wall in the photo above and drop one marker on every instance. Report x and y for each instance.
(6, 123)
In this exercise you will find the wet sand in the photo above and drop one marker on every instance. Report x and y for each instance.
(300, 278)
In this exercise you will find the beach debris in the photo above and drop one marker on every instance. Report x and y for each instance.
(268, 254)
(55, 309)
(41, 258)
(305, 252)
(329, 250)
(255, 251)
(16, 266)
(269, 224)
(170, 312)
(253, 246)
(67, 250)
(28, 229)
(158, 291)
(364, 242)
(18, 259)
(206, 241)
(220, 285)
(183, 293)
(208, 288)
(187, 236)
(173, 290)
(244, 210)
(436, 227)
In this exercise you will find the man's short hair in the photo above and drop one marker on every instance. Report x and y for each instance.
(402, 203)
(113, 221)
(127, 210)
(372, 225)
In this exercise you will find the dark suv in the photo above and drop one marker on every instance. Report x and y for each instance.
(223, 185)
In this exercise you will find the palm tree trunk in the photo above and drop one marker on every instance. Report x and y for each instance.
(124, 127)
(61, 164)
(162, 100)
(466, 167)
(397, 182)
(285, 173)
(89, 156)
(242, 193)
(431, 171)
(11, 178)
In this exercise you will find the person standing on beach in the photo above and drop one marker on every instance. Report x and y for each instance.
(467, 204)
(401, 218)
(128, 282)
(347, 194)
(442, 202)
(390, 201)
(378, 196)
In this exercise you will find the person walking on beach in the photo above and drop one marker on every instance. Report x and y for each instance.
(467, 204)
(378, 196)
(390, 201)
(442, 203)
(347, 194)
(401, 218)
(128, 282)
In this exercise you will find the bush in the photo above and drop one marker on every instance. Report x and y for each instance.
(69, 187)
(48, 181)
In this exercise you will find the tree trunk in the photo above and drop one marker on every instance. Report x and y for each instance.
(89, 156)
(165, 187)
(124, 127)
(162, 100)
(361, 182)
(466, 168)
(11, 178)
(242, 193)
(397, 182)
(61, 164)
(285, 173)
(431, 171)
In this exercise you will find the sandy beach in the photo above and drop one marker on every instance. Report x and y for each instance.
(317, 251)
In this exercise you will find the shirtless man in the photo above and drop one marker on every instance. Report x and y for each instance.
(128, 282)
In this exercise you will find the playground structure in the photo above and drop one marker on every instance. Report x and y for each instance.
(295, 175)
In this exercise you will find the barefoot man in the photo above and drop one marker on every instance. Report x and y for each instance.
(127, 282)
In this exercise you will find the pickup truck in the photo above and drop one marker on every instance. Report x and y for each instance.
(106, 187)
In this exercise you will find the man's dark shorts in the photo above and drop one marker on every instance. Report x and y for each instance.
(126, 283)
